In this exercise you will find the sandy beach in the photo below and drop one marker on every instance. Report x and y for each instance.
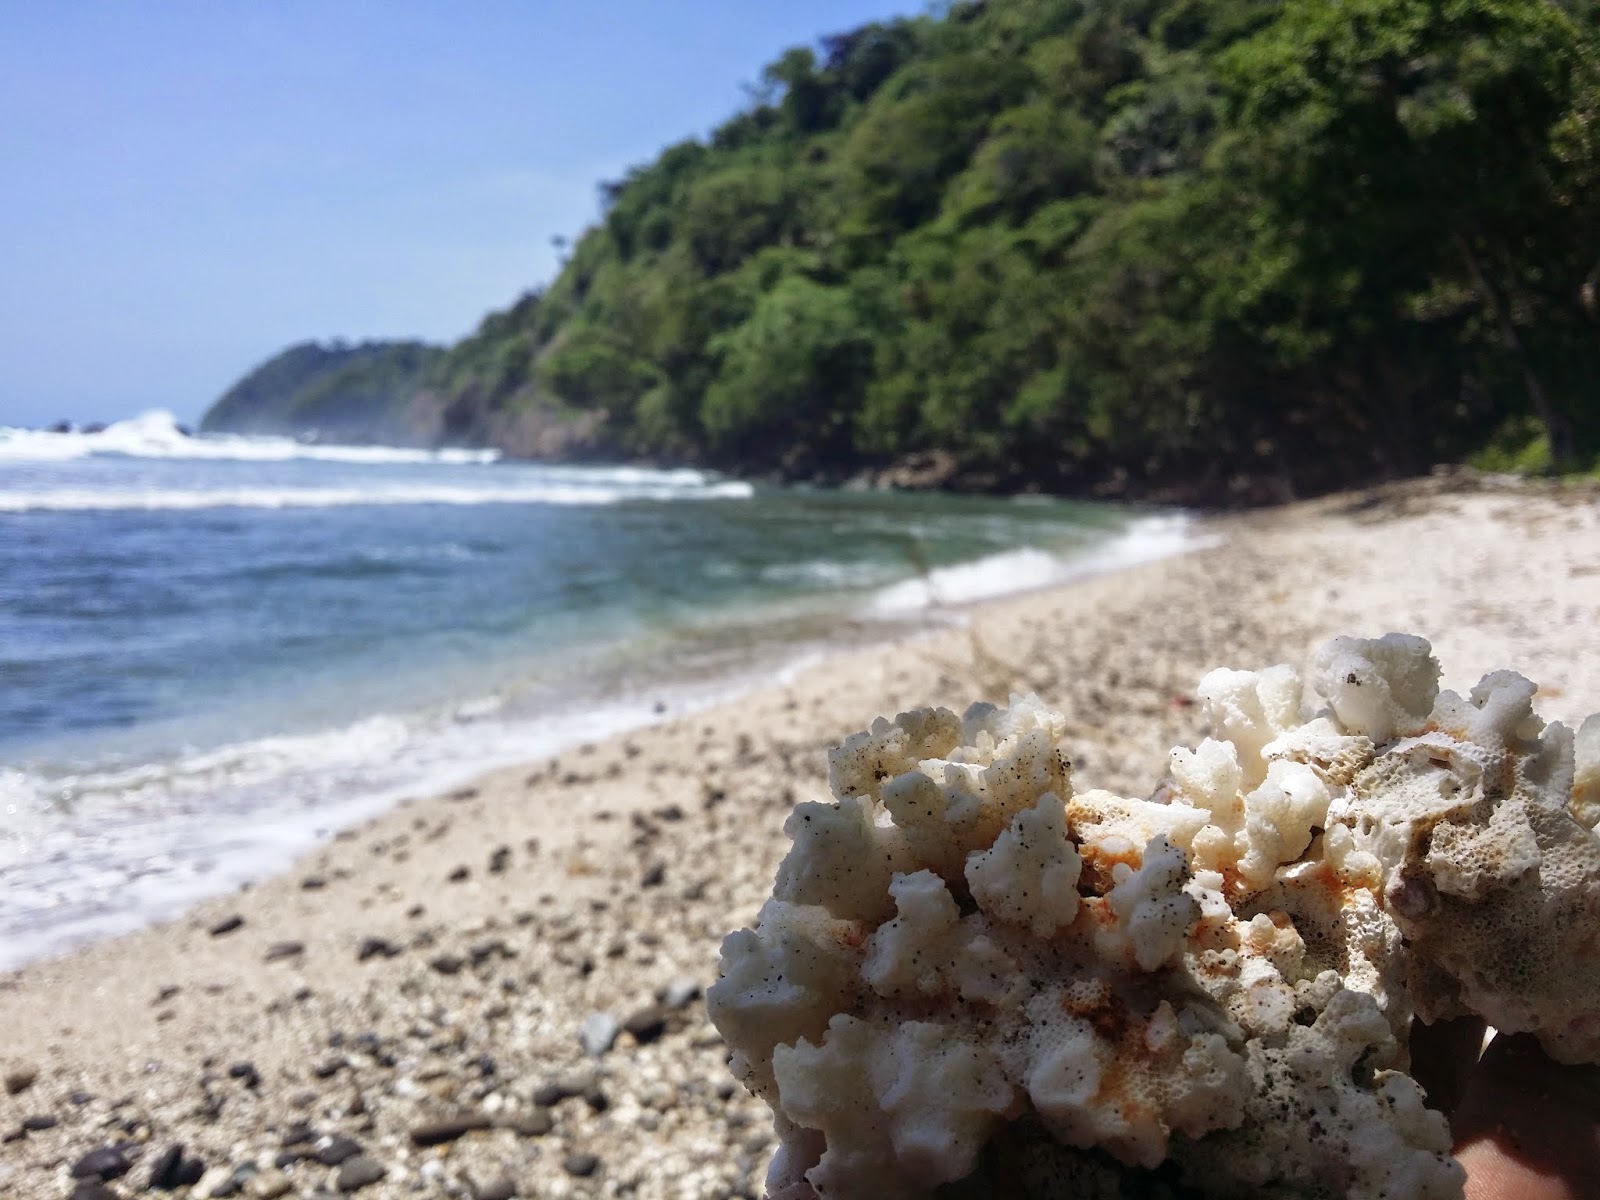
(495, 992)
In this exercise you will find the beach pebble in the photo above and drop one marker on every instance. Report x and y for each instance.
(599, 1033)
(654, 875)
(447, 1129)
(227, 925)
(647, 1024)
(93, 1189)
(174, 1169)
(498, 1188)
(356, 1173)
(107, 1162)
(500, 859)
(460, 875)
(280, 950)
(447, 964)
(312, 883)
(270, 1184)
(581, 1165)
(376, 947)
(20, 1078)
(39, 1122)
(231, 1182)
(535, 1123)
(245, 1073)
(680, 993)
(335, 1149)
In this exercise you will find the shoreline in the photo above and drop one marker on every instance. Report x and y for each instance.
(442, 960)
(246, 810)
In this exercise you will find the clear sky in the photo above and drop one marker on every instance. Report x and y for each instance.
(186, 188)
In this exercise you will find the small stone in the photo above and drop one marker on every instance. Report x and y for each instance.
(336, 1149)
(93, 1189)
(327, 1068)
(376, 947)
(654, 875)
(234, 1182)
(460, 875)
(581, 1165)
(20, 1078)
(536, 1123)
(680, 993)
(499, 860)
(596, 1099)
(447, 1129)
(173, 1169)
(107, 1162)
(447, 964)
(39, 1122)
(356, 1173)
(80, 1098)
(245, 1073)
(312, 883)
(227, 925)
(647, 1024)
(298, 1134)
(270, 1184)
(599, 1034)
(281, 950)
(499, 1188)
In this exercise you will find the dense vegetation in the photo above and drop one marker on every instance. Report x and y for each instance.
(336, 392)
(1199, 248)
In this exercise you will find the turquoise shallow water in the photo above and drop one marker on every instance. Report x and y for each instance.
(211, 653)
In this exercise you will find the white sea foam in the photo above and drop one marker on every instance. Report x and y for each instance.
(187, 499)
(156, 435)
(1026, 569)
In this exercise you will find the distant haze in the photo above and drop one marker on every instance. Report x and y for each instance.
(191, 187)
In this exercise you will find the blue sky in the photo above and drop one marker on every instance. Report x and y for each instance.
(189, 187)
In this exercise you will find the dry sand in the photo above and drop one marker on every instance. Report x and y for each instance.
(427, 977)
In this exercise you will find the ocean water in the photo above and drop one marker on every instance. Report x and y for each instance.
(214, 652)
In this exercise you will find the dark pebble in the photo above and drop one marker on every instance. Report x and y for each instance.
(20, 1079)
(299, 1133)
(530, 1124)
(460, 875)
(280, 950)
(245, 1073)
(227, 925)
(356, 1173)
(13, 1135)
(312, 883)
(447, 1129)
(93, 1189)
(328, 1067)
(80, 1098)
(647, 1024)
(447, 964)
(39, 1122)
(174, 1169)
(581, 1165)
(551, 1094)
(499, 860)
(654, 876)
(107, 1162)
(336, 1149)
(376, 947)
(235, 1183)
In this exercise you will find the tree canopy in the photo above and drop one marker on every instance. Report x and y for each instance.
(1189, 248)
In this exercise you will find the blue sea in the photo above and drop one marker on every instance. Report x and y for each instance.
(214, 652)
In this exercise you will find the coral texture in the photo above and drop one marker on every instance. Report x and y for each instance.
(964, 959)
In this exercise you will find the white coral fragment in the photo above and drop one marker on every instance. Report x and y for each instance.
(1030, 875)
(1221, 976)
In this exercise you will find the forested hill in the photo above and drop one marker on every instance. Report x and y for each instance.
(338, 392)
(1180, 248)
